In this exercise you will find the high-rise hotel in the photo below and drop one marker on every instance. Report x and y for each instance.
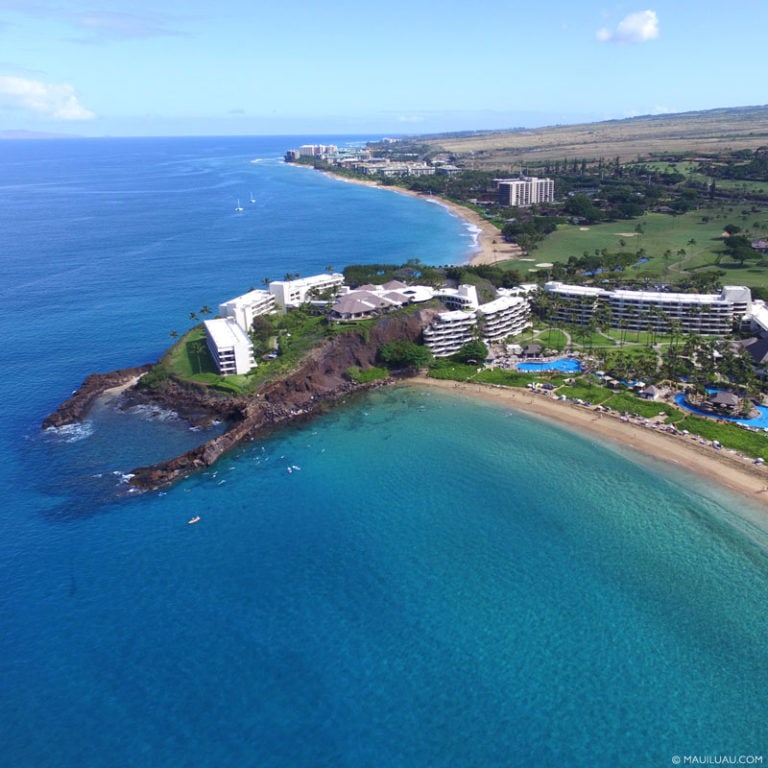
(525, 191)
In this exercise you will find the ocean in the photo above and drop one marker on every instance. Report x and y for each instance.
(436, 582)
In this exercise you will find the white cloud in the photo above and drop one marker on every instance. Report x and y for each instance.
(58, 102)
(638, 27)
(410, 119)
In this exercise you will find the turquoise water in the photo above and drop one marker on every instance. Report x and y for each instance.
(564, 365)
(440, 583)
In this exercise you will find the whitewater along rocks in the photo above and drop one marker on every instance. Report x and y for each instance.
(76, 408)
(319, 380)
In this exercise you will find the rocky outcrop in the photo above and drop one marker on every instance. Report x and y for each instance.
(76, 408)
(193, 402)
(319, 380)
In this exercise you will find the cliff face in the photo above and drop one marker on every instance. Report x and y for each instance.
(323, 372)
(319, 379)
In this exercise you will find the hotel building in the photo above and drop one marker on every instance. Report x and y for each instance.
(294, 293)
(493, 322)
(707, 314)
(243, 309)
(229, 345)
(502, 317)
(450, 332)
(463, 297)
(525, 191)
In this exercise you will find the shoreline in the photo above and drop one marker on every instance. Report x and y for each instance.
(728, 471)
(491, 247)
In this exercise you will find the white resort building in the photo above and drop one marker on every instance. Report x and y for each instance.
(525, 191)
(294, 293)
(493, 322)
(227, 336)
(450, 332)
(243, 309)
(463, 297)
(707, 314)
(229, 345)
(502, 317)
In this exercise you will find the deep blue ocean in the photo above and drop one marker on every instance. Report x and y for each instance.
(442, 582)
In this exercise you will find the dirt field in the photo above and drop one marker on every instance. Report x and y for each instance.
(710, 131)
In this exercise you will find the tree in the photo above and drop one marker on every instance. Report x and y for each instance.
(403, 354)
(739, 248)
(582, 207)
(471, 353)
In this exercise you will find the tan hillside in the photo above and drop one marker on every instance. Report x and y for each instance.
(715, 130)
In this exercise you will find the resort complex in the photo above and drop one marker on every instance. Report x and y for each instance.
(464, 318)
(508, 314)
(706, 314)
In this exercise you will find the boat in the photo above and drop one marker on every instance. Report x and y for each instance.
(253, 199)
(238, 207)
(195, 519)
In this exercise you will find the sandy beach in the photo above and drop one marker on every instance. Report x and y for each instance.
(729, 470)
(491, 244)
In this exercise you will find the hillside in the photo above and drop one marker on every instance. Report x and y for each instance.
(716, 130)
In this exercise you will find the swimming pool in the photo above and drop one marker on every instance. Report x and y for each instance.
(761, 421)
(564, 365)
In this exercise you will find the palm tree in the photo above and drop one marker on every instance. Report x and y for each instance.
(193, 315)
(174, 334)
(205, 310)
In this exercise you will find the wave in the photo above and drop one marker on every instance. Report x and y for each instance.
(153, 413)
(71, 433)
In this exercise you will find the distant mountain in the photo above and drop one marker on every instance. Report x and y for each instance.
(19, 133)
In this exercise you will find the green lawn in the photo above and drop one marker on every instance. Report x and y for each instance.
(189, 355)
(664, 238)
(729, 435)
(551, 338)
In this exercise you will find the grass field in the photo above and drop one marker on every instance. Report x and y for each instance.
(673, 245)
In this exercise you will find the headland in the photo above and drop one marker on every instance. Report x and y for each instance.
(319, 381)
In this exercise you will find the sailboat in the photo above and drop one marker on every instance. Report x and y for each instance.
(238, 207)
(253, 199)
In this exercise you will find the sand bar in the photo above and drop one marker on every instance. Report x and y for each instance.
(729, 470)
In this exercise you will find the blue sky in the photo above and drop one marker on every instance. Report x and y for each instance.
(185, 67)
